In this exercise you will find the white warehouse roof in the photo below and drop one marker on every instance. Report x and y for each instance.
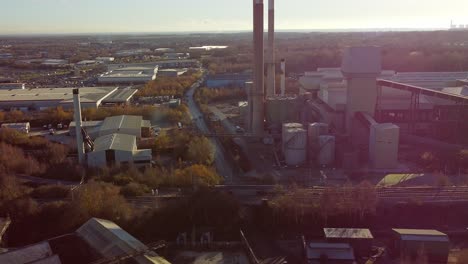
(124, 124)
(115, 142)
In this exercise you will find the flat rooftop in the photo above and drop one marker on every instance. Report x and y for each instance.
(353, 233)
(65, 95)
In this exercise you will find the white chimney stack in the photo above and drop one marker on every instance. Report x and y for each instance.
(283, 77)
(78, 125)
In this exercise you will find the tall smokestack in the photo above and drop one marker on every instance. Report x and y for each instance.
(283, 76)
(271, 49)
(258, 95)
(79, 136)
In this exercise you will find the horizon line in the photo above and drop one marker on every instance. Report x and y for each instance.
(334, 30)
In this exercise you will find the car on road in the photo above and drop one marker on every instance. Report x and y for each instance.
(51, 132)
(239, 130)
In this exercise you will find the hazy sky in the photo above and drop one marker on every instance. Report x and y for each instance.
(88, 16)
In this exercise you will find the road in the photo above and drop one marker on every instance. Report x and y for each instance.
(223, 167)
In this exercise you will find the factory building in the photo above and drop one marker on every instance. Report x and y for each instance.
(176, 56)
(37, 253)
(339, 253)
(43, 98)
(129, 75)
(121, 96)
(227, 80)
(359, 239)
(113, 149)
(125, 124)
(105, 59)
(21, 127)
(409, 243)
(12, 86)
(162, 64)
(133, 52)
(171, 72)
(91, 127)
(111, 241)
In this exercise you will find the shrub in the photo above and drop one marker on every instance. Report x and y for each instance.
(134, 189)
(51, 192)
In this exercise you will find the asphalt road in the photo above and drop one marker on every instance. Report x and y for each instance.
(223, 167)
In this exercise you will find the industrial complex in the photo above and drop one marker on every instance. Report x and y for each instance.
(211, 150)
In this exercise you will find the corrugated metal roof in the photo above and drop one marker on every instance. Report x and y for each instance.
(27, 254)
(121, 122)
(347, 233)
(421, 235)
(120, 96)
(115, 142)
(111, 240)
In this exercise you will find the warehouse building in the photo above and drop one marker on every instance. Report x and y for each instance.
(91, 127)
(21, 127)
(110, 240)
(113, 149)
(172, 72)
(37, 253)
(43, 98)
(337, 253)
(12, 86)
(121, 96)
(162, 64)
(359, 239)
(410, 243)
(129, 75)
(126, 124)
(227, 80)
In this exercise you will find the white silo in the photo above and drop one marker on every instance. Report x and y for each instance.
(284, 134)
(326, 154)
(295, 146)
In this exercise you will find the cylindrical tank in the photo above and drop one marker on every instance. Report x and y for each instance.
(284, 134)
(296, 146)
(326, 154)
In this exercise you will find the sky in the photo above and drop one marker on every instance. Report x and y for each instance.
(108, 16)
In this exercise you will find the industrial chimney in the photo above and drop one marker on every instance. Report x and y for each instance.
(283, 76)
(79, 136)
(259, 67)
(270, 88)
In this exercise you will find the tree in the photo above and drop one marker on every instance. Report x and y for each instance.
(16, 116)
(202, 175)
(100, 200)
(162, 142)
(201, 150)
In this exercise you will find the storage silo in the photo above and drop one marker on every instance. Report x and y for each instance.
(295, 146)
(326, 154)
(284, 134)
